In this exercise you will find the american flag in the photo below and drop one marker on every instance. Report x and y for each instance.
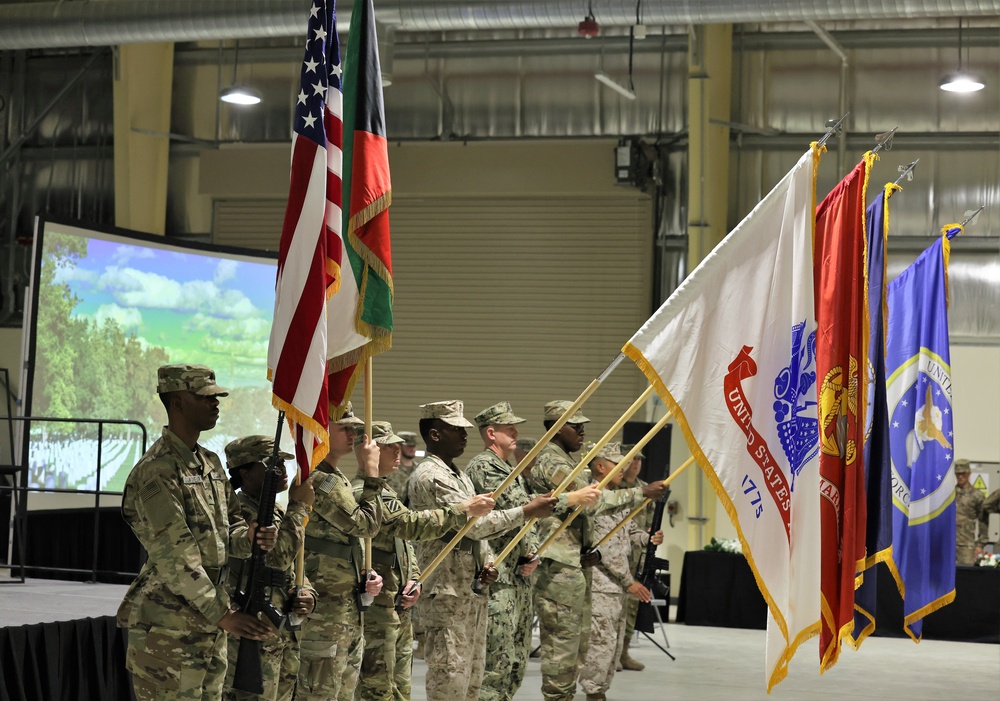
(311, 252)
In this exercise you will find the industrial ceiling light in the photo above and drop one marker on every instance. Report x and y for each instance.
(962, 80)
(614, 85)
(588, 27)
(237, 94)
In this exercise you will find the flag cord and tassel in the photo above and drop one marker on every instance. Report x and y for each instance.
(608, 477)
(635, 512)
(525, 461)
(574, 473)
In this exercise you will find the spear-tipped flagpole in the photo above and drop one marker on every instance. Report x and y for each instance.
(907, 172)
(571, 477)
(835, 129)
(607, 478)
(883, 140)
(525, 461)
(635, 512)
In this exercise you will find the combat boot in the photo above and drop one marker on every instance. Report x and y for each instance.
(631, 664)
(596, 697)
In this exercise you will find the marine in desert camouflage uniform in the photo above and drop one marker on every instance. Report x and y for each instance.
(643, 520)
(181, 507)
(612, 585)
(453, 615)
(385, 669)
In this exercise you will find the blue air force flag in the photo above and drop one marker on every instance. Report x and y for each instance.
(918, 388)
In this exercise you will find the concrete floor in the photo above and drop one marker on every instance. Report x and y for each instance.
(712, 663)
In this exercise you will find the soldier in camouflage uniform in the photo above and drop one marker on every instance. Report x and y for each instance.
(182, 509)
(388, 650)
(612, 585)
(522, 448)
(562, 585)
(990, 506)
(508, 635)
(279, 655)
(453, 615)
(643, 521)
(334, 561)
(398, 478)
(968, 511)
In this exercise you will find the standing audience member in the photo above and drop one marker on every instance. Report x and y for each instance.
(968, 511)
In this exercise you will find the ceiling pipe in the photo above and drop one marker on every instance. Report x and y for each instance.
(37, 25)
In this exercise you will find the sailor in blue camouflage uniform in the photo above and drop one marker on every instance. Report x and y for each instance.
(181, 507)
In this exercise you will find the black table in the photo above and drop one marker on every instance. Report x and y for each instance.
(718, 589)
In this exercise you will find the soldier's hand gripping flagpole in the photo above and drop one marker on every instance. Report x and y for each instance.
(607, 478)
(636, 511)
(571, 477)
(521, 466)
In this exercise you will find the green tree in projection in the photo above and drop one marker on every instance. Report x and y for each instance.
(245, 411)
(55, 391)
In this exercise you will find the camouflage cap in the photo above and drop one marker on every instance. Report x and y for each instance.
(555, 410)
(383, 435)
(526, 444)
(199, 379)
(962, 465)
(251, 449)
(349, 419)
(500, 414)
(450, 412)
(612, 452)
(626, 447)
(409, 437)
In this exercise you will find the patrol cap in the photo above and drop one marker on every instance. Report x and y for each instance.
(611, 451)
(383, 435)
(961, 466)
(450, 412)
(526, 444)
(554, 410)
(627, 447)
(409, 437)
(500, 414)
(251, 449)
(349, 419)
(199, 379)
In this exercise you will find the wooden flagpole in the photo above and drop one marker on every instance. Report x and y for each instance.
(525, 461)
(571, 477)
(635, 512)
(607, 478)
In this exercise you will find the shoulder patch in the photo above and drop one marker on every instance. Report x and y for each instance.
(148, 490)
(324, 484)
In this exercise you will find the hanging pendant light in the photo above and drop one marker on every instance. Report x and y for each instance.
(961, 81)
(238, 94)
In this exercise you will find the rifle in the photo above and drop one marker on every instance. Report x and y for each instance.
(257, 579)
(650, 563)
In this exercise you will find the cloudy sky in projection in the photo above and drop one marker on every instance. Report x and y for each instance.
(199, 308)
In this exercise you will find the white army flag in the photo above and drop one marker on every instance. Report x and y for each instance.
(732, 353)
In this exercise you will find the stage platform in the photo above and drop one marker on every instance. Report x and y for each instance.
(57, 641)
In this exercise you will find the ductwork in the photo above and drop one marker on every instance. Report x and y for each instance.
(110, 22)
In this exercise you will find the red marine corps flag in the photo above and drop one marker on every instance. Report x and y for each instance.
(841, 387)
(310, 255)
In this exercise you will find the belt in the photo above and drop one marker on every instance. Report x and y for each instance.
(325, 547)
(466, 545)
(384, 557)
(218, 575)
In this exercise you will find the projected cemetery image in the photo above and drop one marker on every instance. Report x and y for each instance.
(108, 311)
